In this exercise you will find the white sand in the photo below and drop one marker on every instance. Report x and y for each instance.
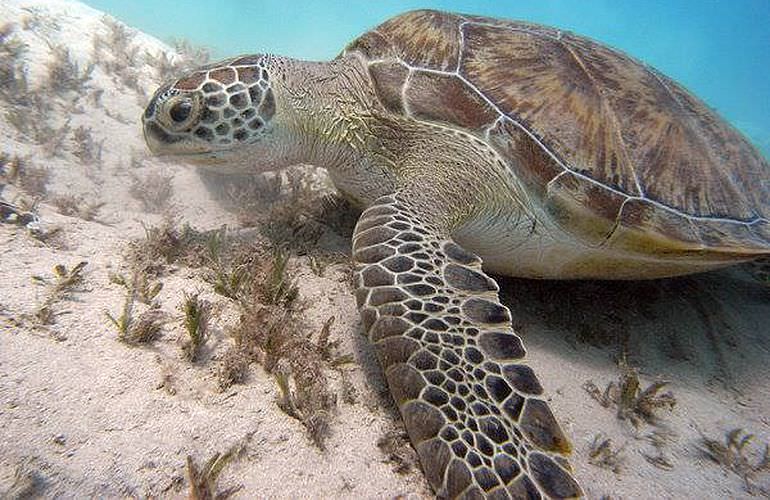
(88, 415)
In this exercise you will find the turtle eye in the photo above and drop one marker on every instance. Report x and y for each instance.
(180, 111)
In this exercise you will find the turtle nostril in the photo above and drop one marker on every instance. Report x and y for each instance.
(180, 111)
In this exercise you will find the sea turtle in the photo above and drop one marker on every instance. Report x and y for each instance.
(480, 145)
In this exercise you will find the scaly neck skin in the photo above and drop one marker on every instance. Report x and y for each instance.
(326, 110)
(322, 111)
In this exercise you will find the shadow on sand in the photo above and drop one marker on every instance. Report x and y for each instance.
(712, 327)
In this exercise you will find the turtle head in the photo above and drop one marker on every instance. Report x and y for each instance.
(223, 115)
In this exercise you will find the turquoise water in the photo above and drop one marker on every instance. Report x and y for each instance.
(718, 49)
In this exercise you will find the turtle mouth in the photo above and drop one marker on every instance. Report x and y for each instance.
(161, 143)
(198, 158)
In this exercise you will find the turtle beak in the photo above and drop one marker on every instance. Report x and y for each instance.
(178, 149)
(154, 137)
(161, 143)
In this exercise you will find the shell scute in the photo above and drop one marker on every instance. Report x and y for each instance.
(435, 44)
(428, 93)
(640, 217)
(389, 78)
(517, 146)
(544, 86)
(590, 209)
(555, 104)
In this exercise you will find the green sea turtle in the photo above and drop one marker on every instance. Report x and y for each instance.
(481, 145)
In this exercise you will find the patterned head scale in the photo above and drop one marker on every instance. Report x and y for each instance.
(211, 108)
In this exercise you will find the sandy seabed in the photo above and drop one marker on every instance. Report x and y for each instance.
(83, 414)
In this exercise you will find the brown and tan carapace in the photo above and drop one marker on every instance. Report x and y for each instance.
(477, 145)
(615, 152)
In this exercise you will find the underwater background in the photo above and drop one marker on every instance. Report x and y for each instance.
(720, 50)
(154, 316)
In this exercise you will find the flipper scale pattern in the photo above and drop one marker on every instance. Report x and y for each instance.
(473, 409)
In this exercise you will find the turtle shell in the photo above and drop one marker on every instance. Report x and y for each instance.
(617, 152)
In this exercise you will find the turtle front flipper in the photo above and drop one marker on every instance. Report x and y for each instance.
(473, 410)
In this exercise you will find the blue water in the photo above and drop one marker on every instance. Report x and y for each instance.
(718, 49)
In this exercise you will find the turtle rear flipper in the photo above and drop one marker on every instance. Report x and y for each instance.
(473, 410)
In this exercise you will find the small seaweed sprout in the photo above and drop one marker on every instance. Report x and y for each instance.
(271, 332)
(141, 330)
(9, 168)
(287, 400)
(394, 444)
(216, 244)
(85, 147)
(40, 21)
(122, 61)
(21, 173)
(304, 394)
(165, 64)
(154, 191)
(28, 111)
(203, 481)
(147, 328)
(660, 438)
(123, 322)
(732, 454)
(119, 39)
(601, 454)
(64, 73)
(317, 264)
(148, 325)
(229, 279)
(311, 409)
(278, 288)
(149, 290)
(54, 146)
(633, 403)
(61, 287)
(144, 287)
(11, 46)
(193, 55)
(13, 77)
(76, 206)
(233, 368)
(636, 404)
(67, 279)
(185, 57)
(95, 98)
(166, 244)
(329, 350)
(197, 313)
(30, 115)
